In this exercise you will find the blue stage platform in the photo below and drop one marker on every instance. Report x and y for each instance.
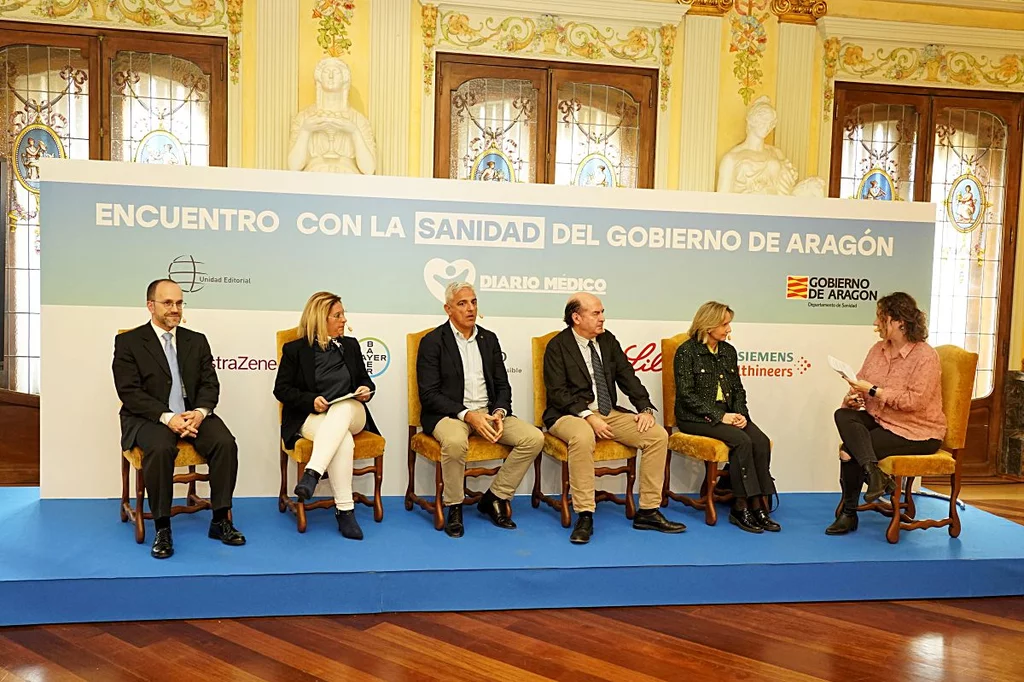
(67, 561)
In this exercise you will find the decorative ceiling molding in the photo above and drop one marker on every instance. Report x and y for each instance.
(708, 8)
(799, 11)
(642, 12)
(906, 33)
(205, 17)
(996, 5)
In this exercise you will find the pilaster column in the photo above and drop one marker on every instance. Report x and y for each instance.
(277, 79)
(702, 46)
(390, 39)
(797, 40)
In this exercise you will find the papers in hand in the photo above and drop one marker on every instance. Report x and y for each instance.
(844, 369)
(348, 396)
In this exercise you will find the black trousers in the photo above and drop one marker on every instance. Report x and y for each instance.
(160, 446)
(867, 441)
(750, 455)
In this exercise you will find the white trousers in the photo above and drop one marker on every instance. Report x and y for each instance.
(333, 446)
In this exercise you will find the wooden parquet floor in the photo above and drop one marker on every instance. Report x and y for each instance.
(962, 639)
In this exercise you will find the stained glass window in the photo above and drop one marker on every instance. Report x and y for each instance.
(598, 136)
(494, 130)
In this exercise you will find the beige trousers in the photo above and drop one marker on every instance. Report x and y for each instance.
(653, 445)
(453, 435)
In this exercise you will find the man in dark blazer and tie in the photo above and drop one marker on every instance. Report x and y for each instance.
(583, 365)
(162, 401)
(464, 389)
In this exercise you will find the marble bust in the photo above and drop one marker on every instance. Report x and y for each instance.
(756, 167)
(330, 136)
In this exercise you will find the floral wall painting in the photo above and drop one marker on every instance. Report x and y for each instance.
(748, 41)
(333, 20)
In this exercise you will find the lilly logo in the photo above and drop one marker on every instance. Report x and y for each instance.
(439, 273)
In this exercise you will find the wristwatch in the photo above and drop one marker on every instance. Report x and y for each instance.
(649, 410)
(874, 389)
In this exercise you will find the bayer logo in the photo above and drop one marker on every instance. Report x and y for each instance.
(184, 271)
(376, 356)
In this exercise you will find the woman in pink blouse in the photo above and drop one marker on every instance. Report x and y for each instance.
(893, 408)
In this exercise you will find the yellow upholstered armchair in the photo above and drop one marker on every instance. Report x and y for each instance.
(132, 459)
(557, 449)
(958, 368)
(710, 451)
(369, 446)
(426, 446)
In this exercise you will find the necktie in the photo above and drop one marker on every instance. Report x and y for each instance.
(604, 397)
(176, 401)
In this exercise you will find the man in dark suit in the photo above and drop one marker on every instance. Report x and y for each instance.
(583, 364)
(464, 389)
(168, 387)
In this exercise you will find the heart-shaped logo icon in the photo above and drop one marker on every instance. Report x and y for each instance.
(439, 273)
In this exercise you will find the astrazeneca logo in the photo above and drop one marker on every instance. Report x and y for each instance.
(376, 356)
(185, 271)
(439, 273)
(772, 364)
(830, 292)
(189, 274)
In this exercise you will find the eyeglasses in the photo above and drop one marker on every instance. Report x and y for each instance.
(171, 304)
(336, 316)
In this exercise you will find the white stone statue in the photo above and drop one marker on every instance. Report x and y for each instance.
(330, 136)
(755, 167)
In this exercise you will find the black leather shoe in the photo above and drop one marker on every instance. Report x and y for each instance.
(844, 523)
(163, 546)
(653, 519)
(583, 529)
(766, 522)
(347, 524)
(876, 482)
(307, 485)
(493, 507)
(226, 533)
(745, 519)
(453, 526)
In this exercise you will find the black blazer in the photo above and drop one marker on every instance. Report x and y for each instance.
(295, 386)
(142, 376)
(698, 372)
(442, 380)
(567, 380)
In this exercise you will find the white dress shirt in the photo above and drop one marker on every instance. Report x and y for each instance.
(167, 416)
(584, 345)
(474, 395)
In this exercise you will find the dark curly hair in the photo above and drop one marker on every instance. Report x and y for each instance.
(902, 308)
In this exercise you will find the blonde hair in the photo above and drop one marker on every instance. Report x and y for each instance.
(707, 317)
(313, 323)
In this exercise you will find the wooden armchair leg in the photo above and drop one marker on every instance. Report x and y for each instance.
(708, 493)
(566, 513)
(191, 497)
(908, 491)
(378, 479)
(125, 467)
(535, 495)
(668, 478)
(954, 494)
(300, 506)
(438, 497)
(282, 506)
(630, 483)
(140, 509)
(893, 534)
(410, 489)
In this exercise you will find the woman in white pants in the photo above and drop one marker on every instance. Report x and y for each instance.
(315, 371)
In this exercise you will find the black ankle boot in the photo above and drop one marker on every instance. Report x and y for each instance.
(844, 523)
(876, 482)
(347, 524)
(306, 485)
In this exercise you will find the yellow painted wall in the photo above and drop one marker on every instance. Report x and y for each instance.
(247, 65)
(358, 59)
(890, 10)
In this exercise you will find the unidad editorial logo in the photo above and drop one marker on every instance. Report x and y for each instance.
(190, 274)
(376, 356)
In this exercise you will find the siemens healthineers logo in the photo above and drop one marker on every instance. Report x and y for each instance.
(468, 229)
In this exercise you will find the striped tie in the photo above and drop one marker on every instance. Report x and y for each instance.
(604, 397)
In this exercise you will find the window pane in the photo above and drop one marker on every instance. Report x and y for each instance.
(159, 110)
(45, 107)
(598, 136)
(879, 150)
(494, 130)
(969, 187)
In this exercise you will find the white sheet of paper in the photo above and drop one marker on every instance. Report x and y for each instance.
(843, 368)
(347, 396)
